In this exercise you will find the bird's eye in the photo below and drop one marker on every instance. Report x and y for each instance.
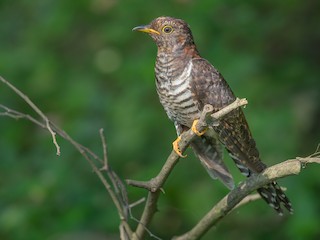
(167, 29)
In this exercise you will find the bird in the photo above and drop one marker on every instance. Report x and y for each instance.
(185, 83)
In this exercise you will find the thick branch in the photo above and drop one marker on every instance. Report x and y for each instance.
(155, 184)
(186, 137)
(229, 202)
(149, 210)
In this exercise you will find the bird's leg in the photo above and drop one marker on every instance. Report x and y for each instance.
(176, 147)
(179, 129)
(195, 130)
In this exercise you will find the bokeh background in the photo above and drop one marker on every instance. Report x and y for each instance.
(82, 65)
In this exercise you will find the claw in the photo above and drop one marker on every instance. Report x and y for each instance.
(195, 130)
(176, 147)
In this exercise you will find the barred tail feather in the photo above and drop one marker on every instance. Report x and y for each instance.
(275, 197)
(271, 193)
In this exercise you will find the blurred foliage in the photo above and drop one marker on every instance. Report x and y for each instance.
(82, 65)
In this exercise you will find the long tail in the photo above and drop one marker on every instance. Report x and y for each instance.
(271, 193)
(235, 134)
(275, 197)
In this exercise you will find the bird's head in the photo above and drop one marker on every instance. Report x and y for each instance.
(168, 33)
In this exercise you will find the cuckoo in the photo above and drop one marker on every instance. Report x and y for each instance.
(185, 82)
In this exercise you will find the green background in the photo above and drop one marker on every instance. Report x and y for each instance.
(82, 65)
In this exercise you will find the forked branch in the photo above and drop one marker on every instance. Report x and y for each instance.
(155, 184)
(116, 189)
(186, 138)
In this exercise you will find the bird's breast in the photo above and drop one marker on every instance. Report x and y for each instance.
(175, 93)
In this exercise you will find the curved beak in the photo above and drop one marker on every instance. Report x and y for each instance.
(146, 29)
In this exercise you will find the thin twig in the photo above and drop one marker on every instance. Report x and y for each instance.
(104, 147)
(146, 229)
(136, 203)
(84, 151)
(37, 110)
(18, 115)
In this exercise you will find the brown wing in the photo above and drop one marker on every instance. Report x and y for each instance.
(210, 87)
(209, 150)
(233, 131)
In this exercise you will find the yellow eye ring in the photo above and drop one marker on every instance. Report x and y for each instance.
(167, 29)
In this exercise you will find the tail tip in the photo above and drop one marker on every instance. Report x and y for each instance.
(276, 198)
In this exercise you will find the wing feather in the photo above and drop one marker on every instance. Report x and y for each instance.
(209, 150)
(210, 87)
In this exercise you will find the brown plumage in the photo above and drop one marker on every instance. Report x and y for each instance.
(185, 83)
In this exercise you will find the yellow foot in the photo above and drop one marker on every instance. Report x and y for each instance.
(176, 147)
(195, 130)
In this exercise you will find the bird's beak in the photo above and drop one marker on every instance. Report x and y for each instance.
(146, 29)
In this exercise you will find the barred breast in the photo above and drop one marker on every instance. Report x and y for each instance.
(173, 87)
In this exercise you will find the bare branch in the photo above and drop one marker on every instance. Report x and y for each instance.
(37, 110)
(248, 199)
(84, 152)
(155, 185)
(230, 201)
(104, 147)
(136, 203)
(147, 215)
(117, 191)
(118, 194)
